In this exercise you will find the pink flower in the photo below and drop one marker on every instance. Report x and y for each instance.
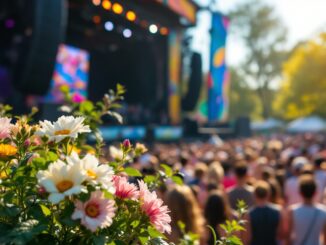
(5, 127)
(153, 207)
(123, 189)
(97, 212)
(126, 144)
(77, 98)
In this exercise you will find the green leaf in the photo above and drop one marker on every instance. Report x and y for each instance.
(167, 169)
(177, 179)
(132, 172)
(99, 240)
(149, 178)
(86, 106)
(235, 240)
(45, 210)
(155, 233)
(143, 240)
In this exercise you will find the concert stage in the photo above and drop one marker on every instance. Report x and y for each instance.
(137, 43)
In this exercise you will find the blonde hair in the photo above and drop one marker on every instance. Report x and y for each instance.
(185, 208)
(215, 173)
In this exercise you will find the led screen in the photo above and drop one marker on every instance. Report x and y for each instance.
(71, 70)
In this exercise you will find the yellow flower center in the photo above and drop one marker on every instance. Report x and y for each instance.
(91, 174)
(62, 132)
(92, 210)
(64, 185)
(7, 150)
(3, 175)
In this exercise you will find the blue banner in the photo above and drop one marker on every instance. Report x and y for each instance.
(218, 77)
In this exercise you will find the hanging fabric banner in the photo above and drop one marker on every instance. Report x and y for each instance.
(218, 77)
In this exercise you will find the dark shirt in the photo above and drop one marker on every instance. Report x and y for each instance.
(244, 193)
(264, 224)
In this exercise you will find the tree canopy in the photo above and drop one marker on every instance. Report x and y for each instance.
(263, 35)
(303, 90)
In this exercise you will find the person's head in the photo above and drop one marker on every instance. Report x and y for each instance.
(184, 207)
(318, 161)
(215, 173)
(275, 191)
(297, 164)
(262, 191)
(200, 170)
(240, 170)
(307, 186)
(216, 209)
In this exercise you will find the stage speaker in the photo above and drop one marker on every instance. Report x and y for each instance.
(242, 127)
(190, 127)
(189, 101)
(44, 24)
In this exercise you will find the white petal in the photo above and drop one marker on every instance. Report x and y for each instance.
(56, 197)
(74, 190)
(49, 185)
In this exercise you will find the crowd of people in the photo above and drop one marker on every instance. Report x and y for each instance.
(281, 178)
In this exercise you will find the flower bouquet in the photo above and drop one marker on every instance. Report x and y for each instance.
(55, 190)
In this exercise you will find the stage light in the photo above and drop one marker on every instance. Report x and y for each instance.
(127, 33)
(117, 8)
(96, 2)
(153, 28)
(109, 26)
(164, 31)
(106, 4)
(131, 16)
(96, 19)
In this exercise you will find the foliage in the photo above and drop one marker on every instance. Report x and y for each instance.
(303, 89)
(263, 35)
(36, 209)
(243, 99)
(53, 188)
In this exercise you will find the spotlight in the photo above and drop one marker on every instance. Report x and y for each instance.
(117, 8)
(106, 4)
(109, 26)
(127, 33)
(96, 2)
(153, 28)
(131, 16)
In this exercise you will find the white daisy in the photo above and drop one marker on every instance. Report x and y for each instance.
(117, 154)
(97, 174)
(61, 180)
(65, 126)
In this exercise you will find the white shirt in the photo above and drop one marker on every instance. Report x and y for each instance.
(305, 216)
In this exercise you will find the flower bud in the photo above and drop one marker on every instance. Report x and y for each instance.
(126, 144)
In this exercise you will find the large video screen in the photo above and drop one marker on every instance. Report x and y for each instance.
(71, 70)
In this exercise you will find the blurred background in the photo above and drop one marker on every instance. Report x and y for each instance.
(191, 68)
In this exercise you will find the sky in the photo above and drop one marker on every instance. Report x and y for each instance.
(303, 18)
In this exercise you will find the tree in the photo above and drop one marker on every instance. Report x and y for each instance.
(264, 35)
(304, 87)
(243, 99)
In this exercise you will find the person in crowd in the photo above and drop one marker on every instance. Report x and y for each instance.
(242, 191)
(291, 192)
(264, 226)
(215, 174)
(306, 220)
(184, 207)
(320, 175)
(217, 211)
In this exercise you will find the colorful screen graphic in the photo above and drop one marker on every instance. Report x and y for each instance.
(71, 70)
(218, 79)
